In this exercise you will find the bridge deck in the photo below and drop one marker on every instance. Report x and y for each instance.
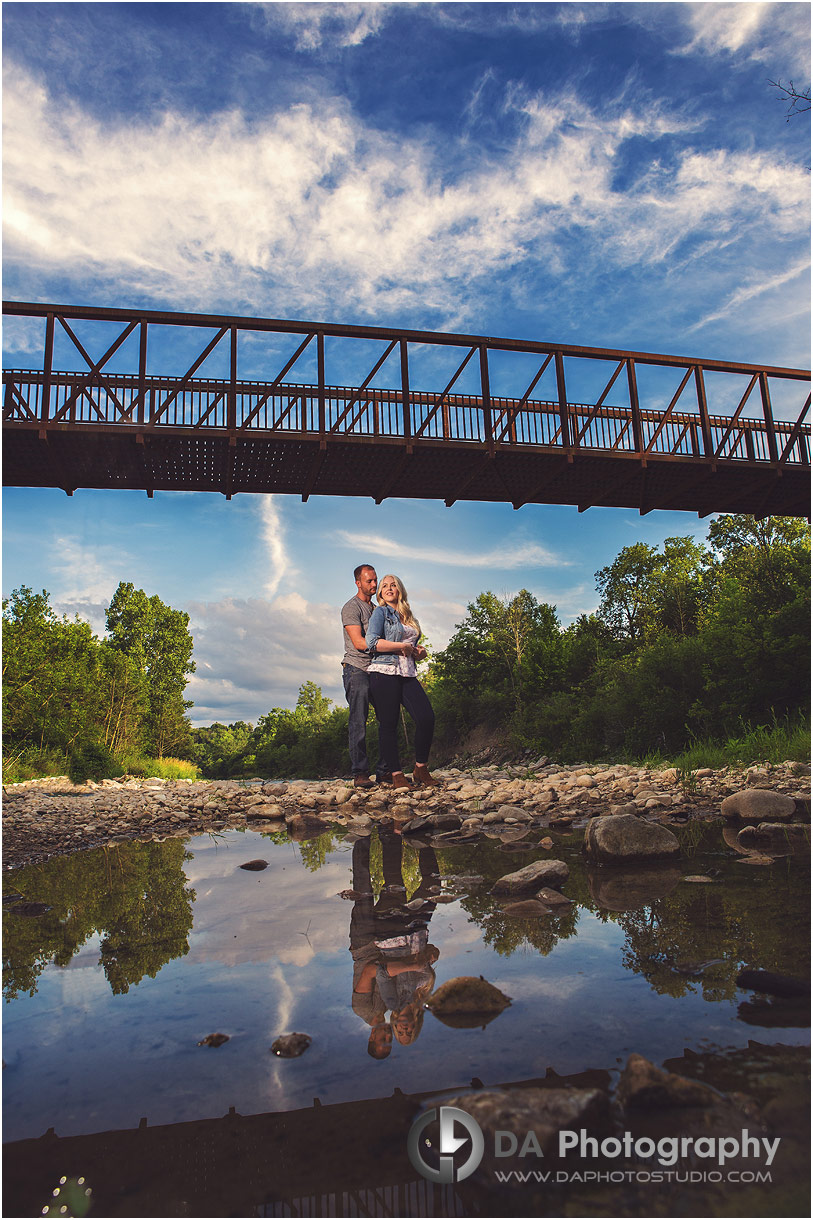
(96, 428)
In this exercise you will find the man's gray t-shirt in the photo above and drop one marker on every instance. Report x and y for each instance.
(356, 613)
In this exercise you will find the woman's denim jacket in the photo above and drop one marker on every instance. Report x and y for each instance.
(383, 622)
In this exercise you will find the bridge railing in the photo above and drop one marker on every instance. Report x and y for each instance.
(129, 402)
(622, 418)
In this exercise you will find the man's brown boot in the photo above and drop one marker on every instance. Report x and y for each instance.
(422, 779)
(362, 781)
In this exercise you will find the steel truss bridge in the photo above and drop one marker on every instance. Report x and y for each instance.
(654, 431)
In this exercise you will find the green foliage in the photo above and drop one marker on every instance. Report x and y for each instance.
(158, 640)
(690, 642)
(92, 761)
(73, 700)
(215, 749)
(134, 895)
(160, 768)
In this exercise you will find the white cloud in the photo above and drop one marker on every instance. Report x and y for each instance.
(254, 654)
(307, 210)
(728, 28)
(751, 289)
(326, 26)
(503, 558)
(273, 537)
(85, 578)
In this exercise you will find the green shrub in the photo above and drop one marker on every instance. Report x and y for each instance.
(93, 761)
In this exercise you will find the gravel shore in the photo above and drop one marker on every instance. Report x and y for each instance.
(48, 817)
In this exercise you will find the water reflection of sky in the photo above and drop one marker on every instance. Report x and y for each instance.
(268, 954)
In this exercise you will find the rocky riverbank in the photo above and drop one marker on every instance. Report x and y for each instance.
(48, 817)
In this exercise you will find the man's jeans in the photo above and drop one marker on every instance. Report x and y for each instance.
(357, 690)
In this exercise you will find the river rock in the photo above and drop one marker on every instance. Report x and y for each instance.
(214, 1040)
(529, 908)
(777, 837)
(625, 837)
(290, 1046)
(432, 822)
(507, 813)
(545, 1112)
(261, 810)
(255, 866)
(645, 1087)
(553, 898)
(305, 826)
(759, 805)
(532, 877)
(467, 994)
(769, 983)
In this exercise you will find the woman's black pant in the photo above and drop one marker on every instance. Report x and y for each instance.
(388, 693)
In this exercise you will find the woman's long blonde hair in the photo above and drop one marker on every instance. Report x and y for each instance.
(403, 607)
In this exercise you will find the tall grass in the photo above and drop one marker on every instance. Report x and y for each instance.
(32, 762)
(160, 768)
(781, 741)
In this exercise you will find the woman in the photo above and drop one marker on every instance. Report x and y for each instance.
(392, 639)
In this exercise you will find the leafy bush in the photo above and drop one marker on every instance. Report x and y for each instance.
(93, 761)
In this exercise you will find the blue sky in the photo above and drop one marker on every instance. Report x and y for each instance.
(613, 175)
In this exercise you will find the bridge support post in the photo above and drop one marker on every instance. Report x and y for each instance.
(47, 367)
(405, 399)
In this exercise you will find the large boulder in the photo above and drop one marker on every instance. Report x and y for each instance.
(467, 994)
(624, 837)
(759, 805)
(532, 877)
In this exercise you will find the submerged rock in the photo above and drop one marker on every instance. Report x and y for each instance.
(628, 889)
(255, 866)
(291, 1046)
(467, 994)
(759, 805)
(528, 1117)
(772, 984)
(30, 909)
(532, 877)
(624, 837)
(779, 838)
(529, 908)
(644, 1086)
(214, 1040)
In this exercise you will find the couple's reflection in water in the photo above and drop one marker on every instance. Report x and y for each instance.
(389, 943)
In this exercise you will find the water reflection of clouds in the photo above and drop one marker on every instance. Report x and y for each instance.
(283, 914)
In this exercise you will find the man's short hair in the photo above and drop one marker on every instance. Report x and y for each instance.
(358, 571)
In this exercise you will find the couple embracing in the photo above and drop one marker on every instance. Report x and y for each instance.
(381, 649)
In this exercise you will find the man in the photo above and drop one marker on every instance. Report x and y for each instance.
(355, 663)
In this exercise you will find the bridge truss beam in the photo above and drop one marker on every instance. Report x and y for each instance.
(110, 425)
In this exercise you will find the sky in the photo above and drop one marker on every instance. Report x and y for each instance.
(609, 175)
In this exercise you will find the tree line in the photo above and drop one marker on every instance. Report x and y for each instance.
(690, 641)
(94, 705)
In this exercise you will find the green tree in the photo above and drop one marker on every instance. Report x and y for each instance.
(62, 687)
(681, 586)
(627, 588)
(312, 704)
(158, 639)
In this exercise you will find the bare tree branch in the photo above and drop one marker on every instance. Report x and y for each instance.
(796, 97)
